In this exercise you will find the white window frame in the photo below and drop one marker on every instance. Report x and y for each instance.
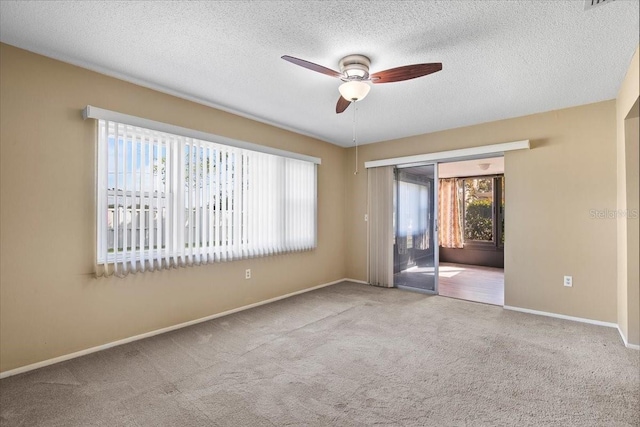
(175, 190)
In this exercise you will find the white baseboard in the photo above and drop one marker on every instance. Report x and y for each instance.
(577, 319)
(626, 343)
(80, 353)
(562, 316)
(357, 281)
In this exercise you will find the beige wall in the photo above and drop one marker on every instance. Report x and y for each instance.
(550, 191)
(628, 299)
(633, 230)
(50, 304)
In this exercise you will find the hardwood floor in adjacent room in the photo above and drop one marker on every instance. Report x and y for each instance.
(472, 283)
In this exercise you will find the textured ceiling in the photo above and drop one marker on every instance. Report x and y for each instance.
(500, 59)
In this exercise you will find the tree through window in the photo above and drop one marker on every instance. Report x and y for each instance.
(483, 220)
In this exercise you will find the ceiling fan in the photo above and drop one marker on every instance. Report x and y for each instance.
(354, 72)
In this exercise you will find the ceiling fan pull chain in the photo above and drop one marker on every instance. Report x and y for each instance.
(355, 139)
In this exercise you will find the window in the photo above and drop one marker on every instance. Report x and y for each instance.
(166, 200)
(483, 219)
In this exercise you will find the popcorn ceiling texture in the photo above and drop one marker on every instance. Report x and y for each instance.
(500, 59)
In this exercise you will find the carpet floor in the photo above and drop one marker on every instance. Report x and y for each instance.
(345, 355)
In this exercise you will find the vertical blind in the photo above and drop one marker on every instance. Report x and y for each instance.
(166, 200)
(413, 213)
(380, 251)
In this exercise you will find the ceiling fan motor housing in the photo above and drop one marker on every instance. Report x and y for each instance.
(355, 67)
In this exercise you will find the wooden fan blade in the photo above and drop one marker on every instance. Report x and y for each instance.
(342, 105)
(312, 66)
(405, 73)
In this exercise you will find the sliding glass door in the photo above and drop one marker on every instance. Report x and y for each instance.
(415, 254)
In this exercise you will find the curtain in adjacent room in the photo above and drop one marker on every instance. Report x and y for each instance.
(380, 256)
(450, 214)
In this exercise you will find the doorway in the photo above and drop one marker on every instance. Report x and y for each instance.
(387, 252)
(472, 212)
(471, 269)
(415, 245)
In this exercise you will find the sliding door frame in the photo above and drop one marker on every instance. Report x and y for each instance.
(481, 152)
(434, 230)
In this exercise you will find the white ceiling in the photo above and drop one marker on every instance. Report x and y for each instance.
(500, 58)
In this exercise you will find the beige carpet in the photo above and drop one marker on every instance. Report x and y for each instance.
(346, 355)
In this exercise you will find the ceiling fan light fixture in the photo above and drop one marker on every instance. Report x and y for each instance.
(354, 90)
(354, 71)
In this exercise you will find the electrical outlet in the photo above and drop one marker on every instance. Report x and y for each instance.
(366, 217)
(247, 273)
(568, 281)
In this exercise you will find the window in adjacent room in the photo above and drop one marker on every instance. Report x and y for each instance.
(483, 210)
